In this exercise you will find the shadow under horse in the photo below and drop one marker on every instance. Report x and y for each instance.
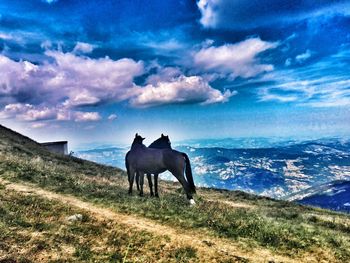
(141, 159)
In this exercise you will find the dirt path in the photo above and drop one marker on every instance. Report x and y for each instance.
(232, 204)
(207, 246)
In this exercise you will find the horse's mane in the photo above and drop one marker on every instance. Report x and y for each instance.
(160, 143)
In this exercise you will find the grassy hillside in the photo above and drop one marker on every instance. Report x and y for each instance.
(34, 229)
(253, 225)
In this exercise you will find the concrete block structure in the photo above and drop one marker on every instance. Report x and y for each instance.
(60, 147)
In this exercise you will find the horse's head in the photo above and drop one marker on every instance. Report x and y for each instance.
(161, 143)
(165, 140)
(138, 139)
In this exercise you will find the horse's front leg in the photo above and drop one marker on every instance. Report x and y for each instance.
(149, 178)
(131, 181)
(156, 185)
(141, 175)
(181, 178)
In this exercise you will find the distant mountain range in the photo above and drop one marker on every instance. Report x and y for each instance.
(333, 195)
(278, 171)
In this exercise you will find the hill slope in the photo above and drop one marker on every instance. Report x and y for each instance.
(252, 228)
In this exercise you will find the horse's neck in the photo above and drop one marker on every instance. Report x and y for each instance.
(158, 145)
(137, 146)
(153, 144)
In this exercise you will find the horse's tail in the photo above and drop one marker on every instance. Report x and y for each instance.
(188, 171)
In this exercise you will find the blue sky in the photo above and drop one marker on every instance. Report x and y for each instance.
(100, 71)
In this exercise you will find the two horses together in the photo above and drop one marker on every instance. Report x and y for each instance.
(155, 159)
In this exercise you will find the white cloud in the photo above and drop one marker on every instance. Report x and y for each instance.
(80, 116)
(6, 36)
(112, 117)
(28, 112)
(247, 14)
(47, 44)
(90, 81)
(12, 110)
(164, 74)
(64, 114)
(334, 93)
(81, 47)
(78, 80)
(182, 89)
(209, 16)
(38, 114)
(81, 99)
(67, 81)
(17, 108)
(236, 60)
(267, 95)
(333, 102)
(326, 91)
(303, 57)
(288, 62)
(50, 1)
(167, 45)
(38, 125)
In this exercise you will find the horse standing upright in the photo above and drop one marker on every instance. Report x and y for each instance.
(155, 161)
(161, 143)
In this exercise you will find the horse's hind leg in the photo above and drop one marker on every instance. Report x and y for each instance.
(149, 179)
(181, 178)
(137, 178)
(131, 181)
(156, 185)
(142, 175)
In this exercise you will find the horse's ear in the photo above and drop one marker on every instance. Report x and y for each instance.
(143, 138)
(163, 135)
(136, 135)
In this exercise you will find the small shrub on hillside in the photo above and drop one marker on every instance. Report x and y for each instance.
(185, 254)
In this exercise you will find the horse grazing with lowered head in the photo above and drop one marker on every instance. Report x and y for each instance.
(141, 159)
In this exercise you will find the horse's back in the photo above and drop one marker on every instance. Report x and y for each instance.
(173, 159)
(147, 160)
(171, 153)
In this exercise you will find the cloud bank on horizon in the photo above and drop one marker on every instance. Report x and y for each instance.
(75, 63)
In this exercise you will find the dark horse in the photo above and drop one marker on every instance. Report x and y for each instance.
(161, 143)
(141, 159)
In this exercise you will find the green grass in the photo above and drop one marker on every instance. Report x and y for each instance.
(33, 229)
(184, 254)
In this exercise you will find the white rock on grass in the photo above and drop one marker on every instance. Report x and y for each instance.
(74, 218)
